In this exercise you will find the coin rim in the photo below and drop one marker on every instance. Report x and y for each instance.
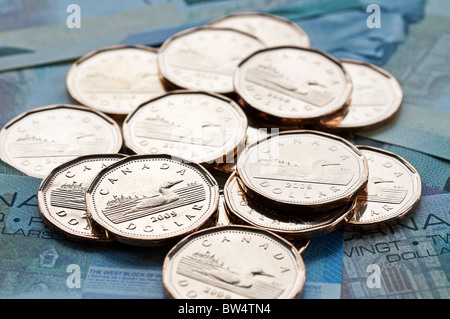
(270, 16)
(352, 225)
(46, 215)
(128, 139)
(300, 265)
(298, 207)
(337, 108)
(172, 84)
(398, 100)
(311, 232)
(70, 77)
(25, 114)
(143, 241)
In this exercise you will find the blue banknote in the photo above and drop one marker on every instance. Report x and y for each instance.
(406, 261)
(36, 262)
(421, 66)
(323, 261)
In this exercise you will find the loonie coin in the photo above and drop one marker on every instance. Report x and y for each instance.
(243, 210)
(116, 79)
(302, 171)
(375, 99)
(271, 29)
(151, 200)
(229, 262)
(61, 197)
(39, 140)
(201, 127)
(393, 191)
(204, 58)
(292, 85)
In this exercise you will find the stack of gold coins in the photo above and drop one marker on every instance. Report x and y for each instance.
(224, 144)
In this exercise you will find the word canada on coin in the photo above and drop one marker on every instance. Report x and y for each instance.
(151, 200)
(232, 261)
(61, 197)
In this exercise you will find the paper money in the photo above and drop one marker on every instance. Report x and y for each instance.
(323, 261)
(420, 65)
(407, 261)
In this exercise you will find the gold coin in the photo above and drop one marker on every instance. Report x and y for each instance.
(393, 191)
(151, 200)
(229, 262)
(39, 140)
(61, 197)
(201, 127)
(376, 98)
(115, 79)
(292, 86)
(204, 58)
(244, 210)
(303, 171)
(271, 29)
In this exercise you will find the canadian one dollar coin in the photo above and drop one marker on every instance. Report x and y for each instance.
(303, 171)
(393, 191)
(376, 98)
(197, 126)
(292, 85)
(229, 262)
(41, 139)
(271, 29)
(150, 200)
(204, 58)
(61, 197)
(115, 79)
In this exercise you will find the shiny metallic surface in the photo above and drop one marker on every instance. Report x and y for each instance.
(61, 197)
(201, 127)
(204, 58)
(393, 191)
(39, 140)
(230, 262)
(151, 200)
(116, 79)
(376, 98)
(292, 85)
(244, 210)
(271, 29)
(303, 171)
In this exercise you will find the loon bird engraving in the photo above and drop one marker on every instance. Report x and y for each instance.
(376, 192)
(241, 280)
(164, 196)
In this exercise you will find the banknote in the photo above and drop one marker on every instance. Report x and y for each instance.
(36, 262)
(406, 261)
(323, 261)
(421, 66)
(352, 35)
(44, 31)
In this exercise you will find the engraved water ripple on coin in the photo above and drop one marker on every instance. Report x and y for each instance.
(61, 197)
(37, 141)
(205, 261)
(152, 199)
